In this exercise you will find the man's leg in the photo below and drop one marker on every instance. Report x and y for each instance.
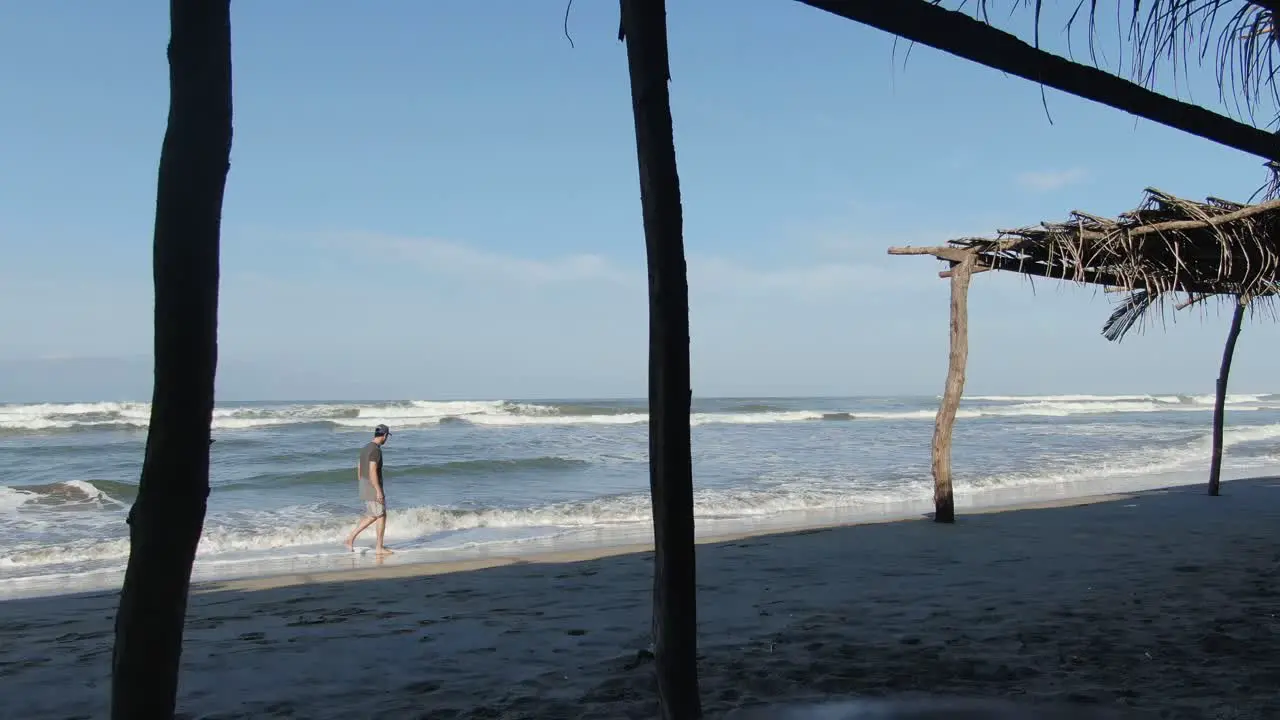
(382, 531)
(365, 522)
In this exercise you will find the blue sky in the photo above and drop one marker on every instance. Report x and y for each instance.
(439, 200)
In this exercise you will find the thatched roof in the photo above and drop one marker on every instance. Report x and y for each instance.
(1167, 245)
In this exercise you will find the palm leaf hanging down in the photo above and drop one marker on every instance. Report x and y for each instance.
(1161, 39)
(1128, 314)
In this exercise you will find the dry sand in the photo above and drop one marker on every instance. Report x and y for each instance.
(1165, 602)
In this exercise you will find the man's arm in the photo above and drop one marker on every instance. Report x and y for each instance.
(376, 478)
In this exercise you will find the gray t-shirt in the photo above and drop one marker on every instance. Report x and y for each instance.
(371, 453)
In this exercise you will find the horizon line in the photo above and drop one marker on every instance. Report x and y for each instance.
(548, 398)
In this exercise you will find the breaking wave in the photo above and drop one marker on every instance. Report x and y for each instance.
(422, 413)
(291, 528)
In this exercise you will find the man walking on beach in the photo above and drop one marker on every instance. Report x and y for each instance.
(369, 476)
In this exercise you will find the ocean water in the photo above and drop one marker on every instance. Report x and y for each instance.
(469, 479)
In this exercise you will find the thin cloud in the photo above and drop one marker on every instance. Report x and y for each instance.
(869, 249)
(1050, 180)
(804, 279)
(458, 258)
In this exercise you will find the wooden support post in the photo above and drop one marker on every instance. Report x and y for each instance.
(167, 516)
(675, 625)
(944, 506)
(1220, 398)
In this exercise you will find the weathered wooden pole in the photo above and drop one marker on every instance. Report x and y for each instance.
(167, 517)
(1220, 397)
(675, 625)
(944, 507)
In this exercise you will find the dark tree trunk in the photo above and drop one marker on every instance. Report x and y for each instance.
(644, 27)
(167, 518)
(1220, 398)
(944, 504)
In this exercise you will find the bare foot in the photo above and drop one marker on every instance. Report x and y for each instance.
(350, 543)
(383, 551)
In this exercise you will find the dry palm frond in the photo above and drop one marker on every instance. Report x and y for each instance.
(1270, 190)
(1166, 245)
(1236, 35)
(1130, 313)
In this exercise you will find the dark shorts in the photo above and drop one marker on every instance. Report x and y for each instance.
(375, 508)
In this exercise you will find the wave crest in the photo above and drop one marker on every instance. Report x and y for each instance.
(507, 413)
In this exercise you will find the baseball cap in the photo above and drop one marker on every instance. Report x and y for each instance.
(382, 430)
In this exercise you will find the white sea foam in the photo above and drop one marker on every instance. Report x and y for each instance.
(532, 473)
(1142, 463)
(49, 416)
(46, 417)
(1232, 398)
(12, 498)
(237, 536)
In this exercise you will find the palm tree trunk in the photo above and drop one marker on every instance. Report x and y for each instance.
(644, 27)
(166, 520)
(1220, 398)
(944, 504)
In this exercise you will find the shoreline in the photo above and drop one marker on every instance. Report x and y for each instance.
(588, 545)
(594, 543)
(600, 552)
